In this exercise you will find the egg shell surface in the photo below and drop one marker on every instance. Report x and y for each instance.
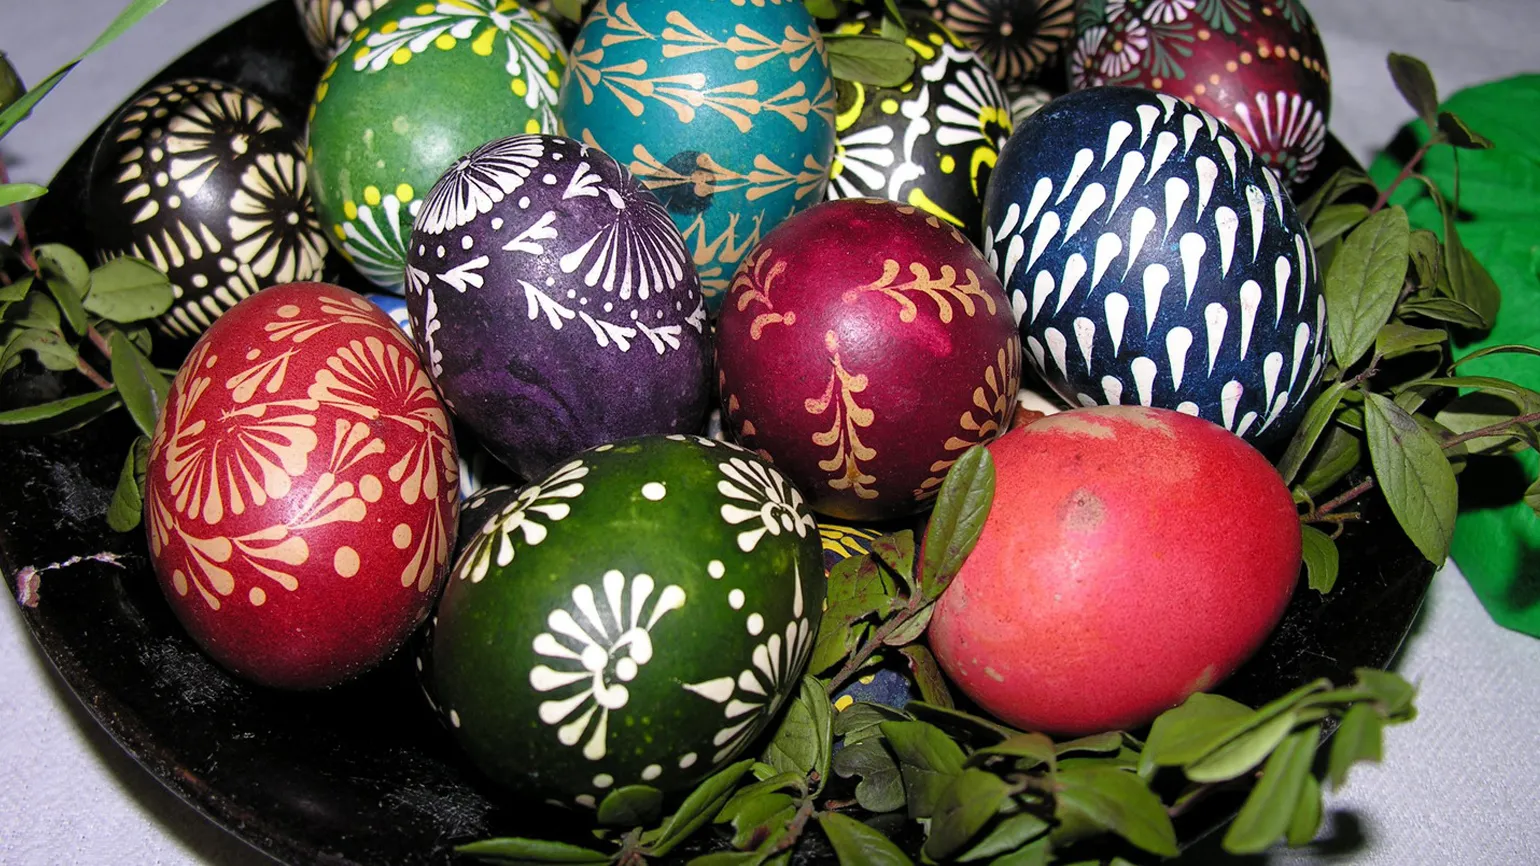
(554, 302)
(636, 616)
(725, 110)
(864, 346)
(1019, 39)
(300, 497)
(421, 84)
(1152, 258)
(207, 182)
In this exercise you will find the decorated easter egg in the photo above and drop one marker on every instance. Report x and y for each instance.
(478, 468)
(554, 302)
(725, 110)
(1258, 65)
(1017, 38)
(421, 84)
(1152, 258)
(865, 345)
(300, 495)
(330, 24)
(930, 142)
(636, 616)
(207, 182)
(1025, 100)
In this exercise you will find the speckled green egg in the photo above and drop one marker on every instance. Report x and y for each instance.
(636, 616)
(421, 84)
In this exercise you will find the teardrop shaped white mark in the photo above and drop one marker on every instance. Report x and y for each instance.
(1251, 300)
(1178, 341)
(1144, 371)
(1116, 308)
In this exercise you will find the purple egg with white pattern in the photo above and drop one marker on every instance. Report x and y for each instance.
(554, 303)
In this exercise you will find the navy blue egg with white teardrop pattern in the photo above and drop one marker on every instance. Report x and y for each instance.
(1151, 258)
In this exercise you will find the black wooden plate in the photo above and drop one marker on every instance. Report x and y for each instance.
(363, 773)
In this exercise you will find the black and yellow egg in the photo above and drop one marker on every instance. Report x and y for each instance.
(930, 142)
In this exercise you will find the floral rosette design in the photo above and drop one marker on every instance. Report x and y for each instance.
(207, 182)
(1260, 67)
(1017, 38)
(301, 494)
(635, 617)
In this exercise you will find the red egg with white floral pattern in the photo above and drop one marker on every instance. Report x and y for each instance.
(1258, 65)
(301, 493)
(863, 346)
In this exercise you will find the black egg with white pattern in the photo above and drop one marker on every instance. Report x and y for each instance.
(1152, 258)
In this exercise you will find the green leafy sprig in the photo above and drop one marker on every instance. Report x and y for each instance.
(883, 59)
(1395, 300)
(71, 317)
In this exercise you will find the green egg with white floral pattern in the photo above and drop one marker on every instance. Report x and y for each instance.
(637, 616)
(422, 83)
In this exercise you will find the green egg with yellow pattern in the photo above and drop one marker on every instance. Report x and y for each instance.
(637, 616)
(931, 142)
(420, 84)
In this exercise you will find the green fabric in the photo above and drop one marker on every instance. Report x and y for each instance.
(1496, 546)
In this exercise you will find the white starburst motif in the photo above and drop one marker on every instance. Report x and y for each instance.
(1127, 49)
(973, 106)
(1082, 58)
(638, 252)
(865, 156)
(769, 498)
(759, 690)
(593, 652)
(273, 223)
(524, 515)
(1168, 11)
(375, 242)
(477, 181)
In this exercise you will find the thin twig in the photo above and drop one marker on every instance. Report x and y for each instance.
(858, 658)
(1360, 489)
(1406, 172)
(90, 373)
(99, 341)
(1492, 430)
(23, 246)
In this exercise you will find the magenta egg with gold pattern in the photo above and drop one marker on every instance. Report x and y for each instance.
(862, 347)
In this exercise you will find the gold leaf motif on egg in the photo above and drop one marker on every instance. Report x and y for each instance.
(939, 288)
(753, 284)
(844, 434)
(993, 403)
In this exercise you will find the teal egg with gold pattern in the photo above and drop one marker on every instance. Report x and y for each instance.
(724, 110)
(420, 84)
(930, 142)
(636, 616)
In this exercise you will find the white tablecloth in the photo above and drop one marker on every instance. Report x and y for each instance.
(1459, 785)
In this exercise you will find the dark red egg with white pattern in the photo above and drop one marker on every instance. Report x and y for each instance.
(301, 495)
(1258, 65)
(862, 347)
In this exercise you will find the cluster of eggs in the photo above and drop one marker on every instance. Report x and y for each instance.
(576, 250)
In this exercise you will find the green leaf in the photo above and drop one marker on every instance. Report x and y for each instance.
(1458, 134)
(911, 629)
(928, 759)
(1427, 257)
(1034, 854)
(143, 388)
(518, 850)
(1390, 690)
(1532, 497)
(1342, 182)
(1415, 82)
(1334, 221)
(1035, 748)
(1186, 733)
(1256, 737)
(976, 731)
(1506, 349)
(1107, 741)
(49, 346)
(1414, 475)
(864, 719)
(15, 291)
(67, 279)
(896, 551)
(1469, 281)
(127, 506)
(15, 193)
(1307, 814)
(801, 744)
(703, 803)
(1332, 461)
(1398, 338)
(1320, 555)
(1309, 431)
(1269, 810)
(11, 88)
(962, 506)
(727, 858)
(964, 808)
(572, 10)
(822, 8)
(856, 844)
(771, 783)
(36, 310)
(128, 290)
(881, 788)
(630, 806)
(927, 675)
(870, 60)
(1358, 738)
(1006, 836)
(1119, 802)
(1365, 281)
(59, 415)
(755, 819)
(1477, 411)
